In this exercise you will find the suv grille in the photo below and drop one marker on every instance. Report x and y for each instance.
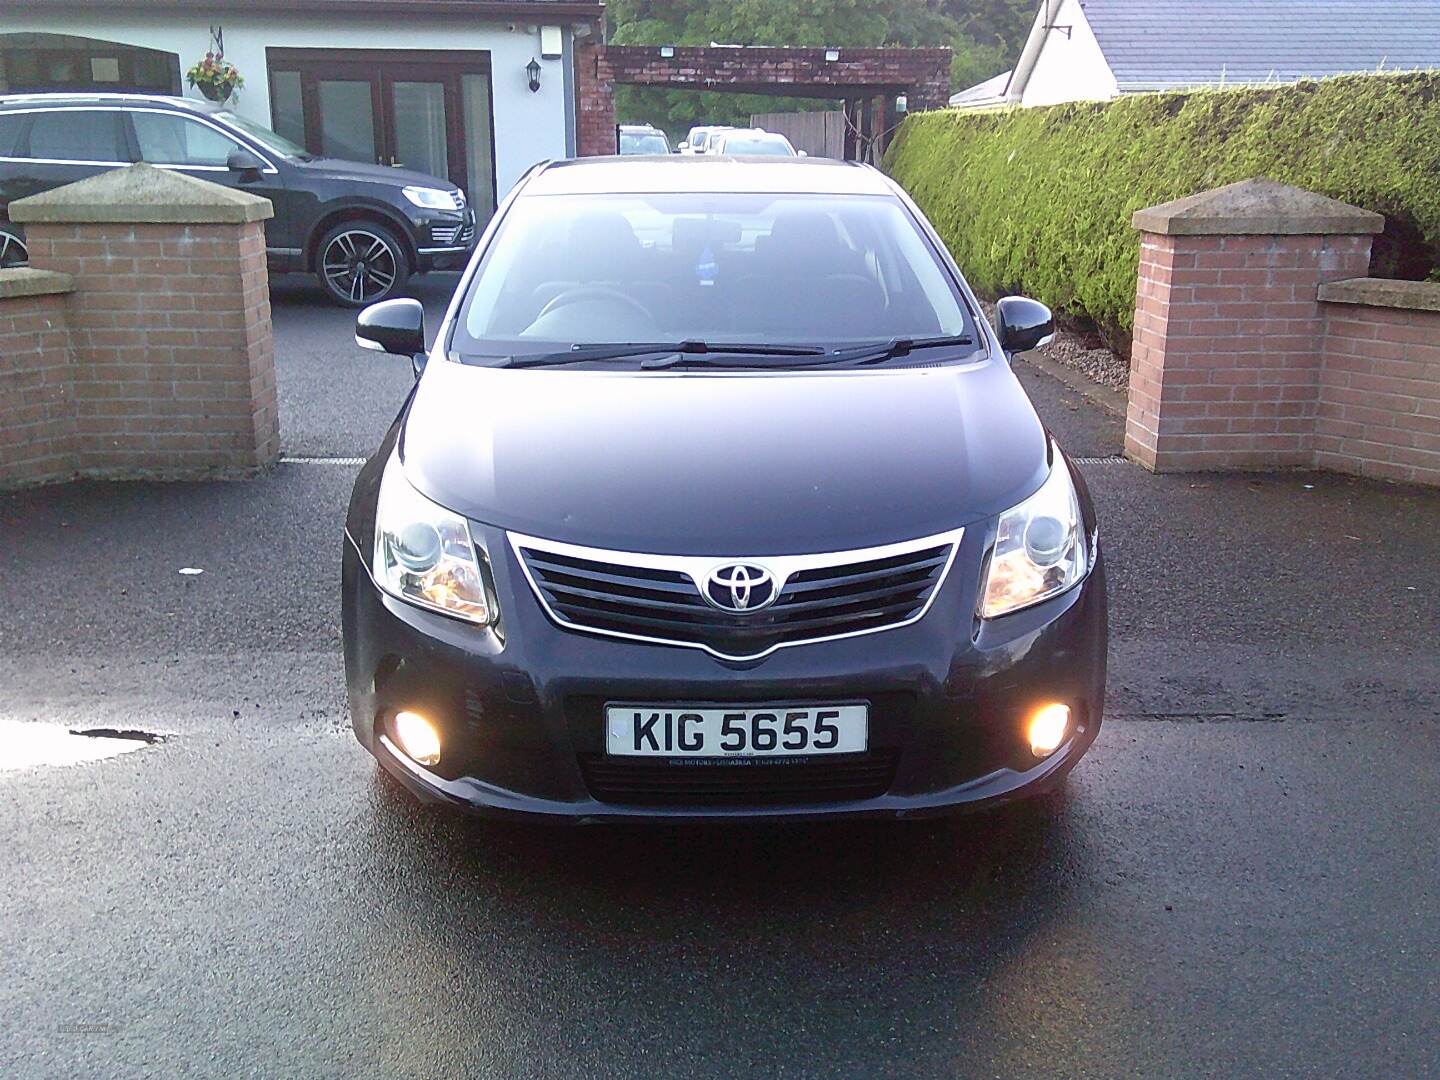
(659, 598)
(738, 783)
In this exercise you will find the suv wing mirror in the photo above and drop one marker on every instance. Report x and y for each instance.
(1023, 324)
(243, 161)
(396, 327)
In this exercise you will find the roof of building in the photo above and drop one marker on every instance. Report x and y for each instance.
(989, 92)
(558, 9)
(707, 174)
(1166, 44)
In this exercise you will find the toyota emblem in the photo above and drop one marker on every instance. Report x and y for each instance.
(740, 587)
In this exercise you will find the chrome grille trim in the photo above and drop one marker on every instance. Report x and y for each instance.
(452, 234)
(673, 584)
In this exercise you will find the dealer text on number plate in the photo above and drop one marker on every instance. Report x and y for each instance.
(737, 731)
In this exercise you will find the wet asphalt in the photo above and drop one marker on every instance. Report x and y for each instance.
(1242, 878)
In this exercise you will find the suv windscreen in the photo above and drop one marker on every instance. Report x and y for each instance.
(264, 136)
(643, 142)
(755, 145)
(832, 270)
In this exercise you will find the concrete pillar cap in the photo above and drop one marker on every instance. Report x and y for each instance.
(1257, 207)
(141, 194)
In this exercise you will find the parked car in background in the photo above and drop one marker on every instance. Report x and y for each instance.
(642, 139)
(751, 142)
(698, 141)
(718, 498)
(362, 229)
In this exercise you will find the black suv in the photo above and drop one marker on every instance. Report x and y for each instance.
(362, 229)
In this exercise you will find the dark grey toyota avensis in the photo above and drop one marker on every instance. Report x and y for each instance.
(716, 497)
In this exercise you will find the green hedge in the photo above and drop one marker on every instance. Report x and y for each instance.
(1039, 200)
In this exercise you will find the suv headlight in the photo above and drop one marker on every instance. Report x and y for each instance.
(1040, 550)
(432, 198)
(424, 554)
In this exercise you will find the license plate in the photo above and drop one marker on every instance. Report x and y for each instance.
(735, 731)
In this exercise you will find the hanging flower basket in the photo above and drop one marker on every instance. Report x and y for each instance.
(215, 77)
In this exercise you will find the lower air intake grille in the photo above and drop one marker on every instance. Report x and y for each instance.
(738, 783)
(452, 234)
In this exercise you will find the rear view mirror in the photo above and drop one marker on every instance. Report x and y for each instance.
(1023, 324)
(393, 326)
(243, 161)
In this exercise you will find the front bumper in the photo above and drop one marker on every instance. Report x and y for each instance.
(521, 716)
(443, 239)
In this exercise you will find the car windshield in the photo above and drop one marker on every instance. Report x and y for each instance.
(813, 270)
(750, 145)
(643, 142)
(264, 135)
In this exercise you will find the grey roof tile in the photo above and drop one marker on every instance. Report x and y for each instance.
(1158, 44)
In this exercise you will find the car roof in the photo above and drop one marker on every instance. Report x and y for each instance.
(707, 174)
(12, 101)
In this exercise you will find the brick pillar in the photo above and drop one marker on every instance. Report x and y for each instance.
(595, 102)
(1229, 329)
(169, 319)
(37, 410)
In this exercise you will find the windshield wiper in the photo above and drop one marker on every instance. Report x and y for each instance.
(895, 347)
(854, 357)
(675, 352)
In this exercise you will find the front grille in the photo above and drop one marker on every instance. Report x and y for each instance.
(452, 235)
(750, 782)
(659, 598)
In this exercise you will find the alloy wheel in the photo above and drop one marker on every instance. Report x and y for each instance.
(360, 266)
(13, 251)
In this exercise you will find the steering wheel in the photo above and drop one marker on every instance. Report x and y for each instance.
(594, 292)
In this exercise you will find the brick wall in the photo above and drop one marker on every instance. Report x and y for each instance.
(1379, 402)
(922, 75)
(169, 324)
(37, 421)
(139, 343)
(1259, 343)
(1226, 361)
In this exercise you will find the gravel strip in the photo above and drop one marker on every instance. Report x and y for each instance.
(1083, 352)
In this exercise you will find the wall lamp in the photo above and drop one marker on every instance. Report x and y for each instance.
(533, 70)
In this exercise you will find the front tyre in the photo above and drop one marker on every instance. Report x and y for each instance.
(361, 263)
(12, 248)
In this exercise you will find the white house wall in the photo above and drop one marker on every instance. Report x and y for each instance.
(1069, 68)
(528, 126)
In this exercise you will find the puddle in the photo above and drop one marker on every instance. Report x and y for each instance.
(27, 745)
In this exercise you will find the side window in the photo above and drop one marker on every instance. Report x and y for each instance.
(170, 139)
(10, 125)
(78, 135)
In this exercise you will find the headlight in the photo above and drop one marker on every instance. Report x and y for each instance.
(433, 198)
(1039, 550)
(424, 553)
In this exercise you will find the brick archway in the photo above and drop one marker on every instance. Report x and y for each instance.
(868, 80)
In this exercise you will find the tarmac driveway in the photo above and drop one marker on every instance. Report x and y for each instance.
(1243, 877)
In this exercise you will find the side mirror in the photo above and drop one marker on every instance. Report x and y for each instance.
(682, 147)
(1023, 324)
(394, 326)
(243, 161)
(802, 153)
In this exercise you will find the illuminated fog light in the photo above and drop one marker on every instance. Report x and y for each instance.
(1048, 728)
(418, 738)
